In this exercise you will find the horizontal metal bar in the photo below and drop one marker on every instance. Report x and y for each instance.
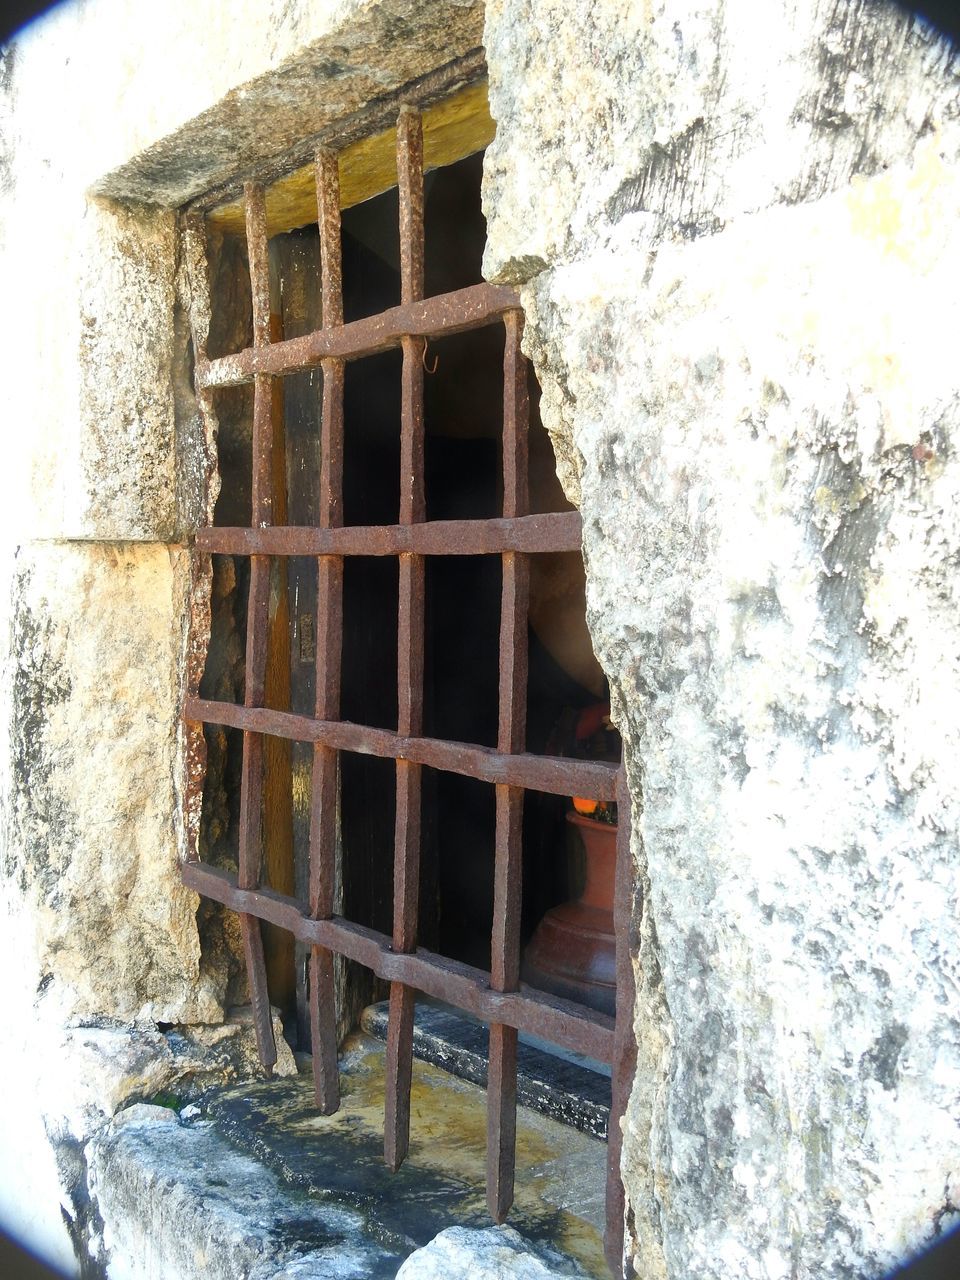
(562, 1022)
(552, 774)
(555, 531)
(444, 314)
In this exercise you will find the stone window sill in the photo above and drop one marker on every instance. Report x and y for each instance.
(251, 1183)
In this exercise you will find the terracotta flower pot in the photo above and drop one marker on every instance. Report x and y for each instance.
(573, 951)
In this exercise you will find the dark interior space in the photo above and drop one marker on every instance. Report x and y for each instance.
(463, 414)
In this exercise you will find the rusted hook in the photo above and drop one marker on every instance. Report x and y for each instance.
(436, 359)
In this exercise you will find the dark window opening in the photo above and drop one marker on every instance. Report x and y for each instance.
(431, 777)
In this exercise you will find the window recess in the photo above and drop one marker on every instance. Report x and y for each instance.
(415, 329)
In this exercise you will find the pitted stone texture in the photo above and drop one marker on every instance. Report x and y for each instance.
(177, 1200)
(90, 851)
(129, 357)
(783, 664)
(680, 115)
(760, 426)
(97, 1070)
(97, 453)
(497, 1253)
(69, 1082)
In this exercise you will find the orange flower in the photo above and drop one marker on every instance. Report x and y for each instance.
(585, 806)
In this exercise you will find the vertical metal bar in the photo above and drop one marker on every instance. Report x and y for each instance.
(277, 823)
(406, 874)
(251, 778)
(323, 805)
(625, 1045)
(516, 419)
(197, 260)
(505, 949)
(410, 184)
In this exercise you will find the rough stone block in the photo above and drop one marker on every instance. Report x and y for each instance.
(768, 488)
(108, 441)
(736, 309)
(176, 1199)
(663, 114)
(91, 854)
(108, 353)
(497, 1253)
(69, 1081)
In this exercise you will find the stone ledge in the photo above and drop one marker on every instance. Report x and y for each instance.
(177, 1199)
(496, 1253)
(570, 1088)
(252, 1184)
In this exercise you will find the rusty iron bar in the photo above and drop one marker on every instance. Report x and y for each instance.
(556, 775)
(201, 569)
(447, 313)
(258, 256)
(410, 190)
(258, 606)
(329, 631)
(511, 738)
(553, 531)
(406, 863)
(562, 1022)
(625, 1045)
(194, 738)
(499, 997)
(516, 420)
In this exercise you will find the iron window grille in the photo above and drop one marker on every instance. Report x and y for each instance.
(497, 997)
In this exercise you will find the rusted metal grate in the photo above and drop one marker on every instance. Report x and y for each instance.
(498, 996)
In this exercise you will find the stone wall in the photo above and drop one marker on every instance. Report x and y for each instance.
(740, 308)
(111, 117)
(735, 226)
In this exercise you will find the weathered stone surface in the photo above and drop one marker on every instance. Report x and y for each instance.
(97, 456)
(110, 444)
(110, 1065)
(90, 852)
(735, 305)
(129, 357)
(668, 115)
(145, 1114)
(238, 88)
(69, 1081)
(252, 1182)
(497, 1253)
(559, 1204)
(177, 1200)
